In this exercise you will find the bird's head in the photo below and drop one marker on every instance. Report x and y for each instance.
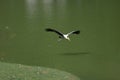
(68, 38)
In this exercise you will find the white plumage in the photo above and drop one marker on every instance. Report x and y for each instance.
(61, 35)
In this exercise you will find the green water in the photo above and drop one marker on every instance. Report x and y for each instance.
(92, 55)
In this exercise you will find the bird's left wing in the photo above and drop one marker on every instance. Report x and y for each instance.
(74, 32)
(53, 30)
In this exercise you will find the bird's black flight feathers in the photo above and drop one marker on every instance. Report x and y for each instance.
(53, 30)
(61, 34)
(76, 32)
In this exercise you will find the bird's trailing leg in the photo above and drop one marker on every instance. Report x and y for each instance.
(60, 38)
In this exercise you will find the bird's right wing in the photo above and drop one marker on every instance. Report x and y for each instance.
(53, 30)
(74, 32)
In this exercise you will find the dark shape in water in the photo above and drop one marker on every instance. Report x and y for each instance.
(75, 54)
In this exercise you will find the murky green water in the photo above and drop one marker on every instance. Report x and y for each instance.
(92, 55)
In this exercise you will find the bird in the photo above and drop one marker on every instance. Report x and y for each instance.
(61, 35)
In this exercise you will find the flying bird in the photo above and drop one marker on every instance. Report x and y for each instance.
(61, 35)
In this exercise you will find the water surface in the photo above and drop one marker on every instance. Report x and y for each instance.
(92, 55)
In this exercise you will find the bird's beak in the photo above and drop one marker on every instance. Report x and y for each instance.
(68, 39)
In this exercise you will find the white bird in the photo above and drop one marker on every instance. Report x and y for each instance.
(61, 35)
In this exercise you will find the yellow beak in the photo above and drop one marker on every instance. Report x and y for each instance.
(68, 39)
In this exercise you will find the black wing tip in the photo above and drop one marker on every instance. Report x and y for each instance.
(77, 32)
(48, 29)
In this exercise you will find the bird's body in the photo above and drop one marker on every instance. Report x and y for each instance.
(61, 35)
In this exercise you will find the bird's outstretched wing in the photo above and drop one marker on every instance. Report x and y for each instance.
(53, 30)
(74, 32)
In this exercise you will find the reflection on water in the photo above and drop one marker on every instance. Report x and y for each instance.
(54, 9)
(31, 6)
(48, 8)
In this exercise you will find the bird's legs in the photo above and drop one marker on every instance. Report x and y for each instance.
(60, 38)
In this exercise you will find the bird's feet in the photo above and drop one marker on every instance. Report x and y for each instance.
(59, 39)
